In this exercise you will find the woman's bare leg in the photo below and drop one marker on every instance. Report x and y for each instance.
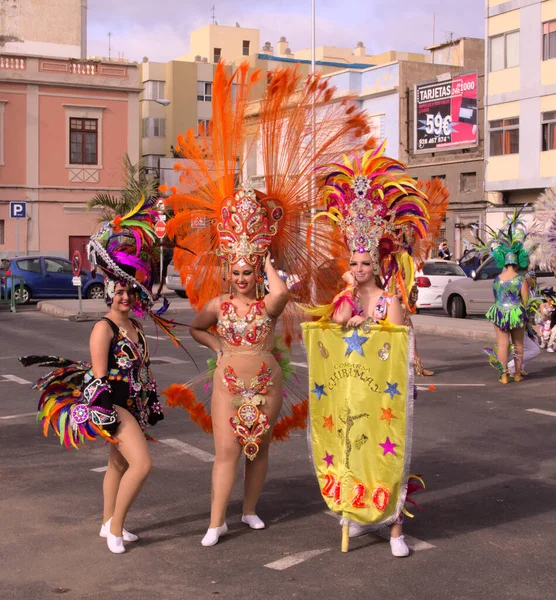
(117, 466)
(256, 470)
(227, 453)
(503, 342)
(518, 336)
(133, 447)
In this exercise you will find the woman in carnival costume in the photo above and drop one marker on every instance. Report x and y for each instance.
(508, 314)
(114, 397)
(378, 210)
(240, 225)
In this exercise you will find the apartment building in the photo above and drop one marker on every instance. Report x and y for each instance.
(520, 103)
(178, 94)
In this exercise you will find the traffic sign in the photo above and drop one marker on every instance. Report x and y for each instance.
(76, 281)
(160, 229)
(18, 210)
(76, 263)
(160, 206)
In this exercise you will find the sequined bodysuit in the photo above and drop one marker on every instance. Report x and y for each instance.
(247, 343)
(508, 311)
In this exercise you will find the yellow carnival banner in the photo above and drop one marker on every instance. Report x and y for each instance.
(361, 392)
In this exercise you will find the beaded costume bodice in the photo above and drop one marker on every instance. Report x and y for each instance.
(507, 294)
(247, 331)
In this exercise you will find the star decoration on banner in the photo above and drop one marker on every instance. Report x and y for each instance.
(319, 391)
(387, 415)
(328, 423)
(329, 459)
(388, 447)
(392, 389)
(355, 343)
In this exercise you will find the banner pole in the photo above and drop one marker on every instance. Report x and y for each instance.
(345, 536)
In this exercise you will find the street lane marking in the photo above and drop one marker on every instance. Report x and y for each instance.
(100, 469)
(424, 388)
(169, 359)
(15, 379)
(18, 416)
(541, 412)
(463, 488)
(415, 544)
(296, 364)
(187, 449)
(295, 559)
(155, 337)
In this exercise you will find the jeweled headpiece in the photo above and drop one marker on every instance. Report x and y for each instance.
(246, 230)
(376, 206)
(122, 250)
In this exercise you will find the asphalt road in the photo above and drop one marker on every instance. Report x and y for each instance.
(486, 531)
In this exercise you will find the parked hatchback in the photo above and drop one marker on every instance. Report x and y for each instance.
(474, 296)
(52, 277)
(431, 280)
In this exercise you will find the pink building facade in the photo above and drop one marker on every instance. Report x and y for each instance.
(65, 125)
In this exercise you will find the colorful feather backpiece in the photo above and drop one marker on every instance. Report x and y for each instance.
(61, 391)
(438, 199)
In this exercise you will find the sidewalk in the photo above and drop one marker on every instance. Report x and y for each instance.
(475, 329)
(94, 309)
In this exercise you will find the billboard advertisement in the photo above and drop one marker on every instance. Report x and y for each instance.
(447, 114)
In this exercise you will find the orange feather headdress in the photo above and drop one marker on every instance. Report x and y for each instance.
(296, 126)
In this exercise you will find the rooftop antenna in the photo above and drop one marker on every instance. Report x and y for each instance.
(450, 41)
(109, 45)
(214, 15)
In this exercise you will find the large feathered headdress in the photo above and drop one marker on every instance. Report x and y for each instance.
(280, 128)
(376, 206)
(543, 251)
(507, 245)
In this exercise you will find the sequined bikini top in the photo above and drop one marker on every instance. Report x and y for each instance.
(244, 331)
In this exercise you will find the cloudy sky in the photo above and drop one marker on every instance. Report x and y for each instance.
(160, 30)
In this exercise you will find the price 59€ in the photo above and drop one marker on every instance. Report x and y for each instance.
(438, 125)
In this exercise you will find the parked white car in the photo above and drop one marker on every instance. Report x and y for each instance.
(431, 280)
(474, 295)
(173, 281)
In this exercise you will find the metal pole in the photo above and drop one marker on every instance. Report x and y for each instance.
(161, 262)
(313, 130)
(80, 299)
(17, 236)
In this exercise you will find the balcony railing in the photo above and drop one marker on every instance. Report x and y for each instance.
(15, 63)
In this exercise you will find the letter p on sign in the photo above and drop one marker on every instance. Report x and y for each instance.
(18, 210)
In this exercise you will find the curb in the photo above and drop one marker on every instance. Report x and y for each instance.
(444, 331)
(53, 310)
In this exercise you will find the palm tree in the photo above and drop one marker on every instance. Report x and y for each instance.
(136, 184)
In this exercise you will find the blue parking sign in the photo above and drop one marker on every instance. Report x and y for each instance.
(18, 210)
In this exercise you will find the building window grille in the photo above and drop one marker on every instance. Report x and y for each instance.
(441, 177)
(217, 54)
(204, 91)
(504, 51)
(153, 127)
(245, 47)
(504, 137)
(83, 141)
(154, 90)
(549, 40)
(549, 130)
(2, 225)
(467, 182)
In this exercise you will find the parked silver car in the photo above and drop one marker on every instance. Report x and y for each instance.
(473, 295)
(173, 281)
